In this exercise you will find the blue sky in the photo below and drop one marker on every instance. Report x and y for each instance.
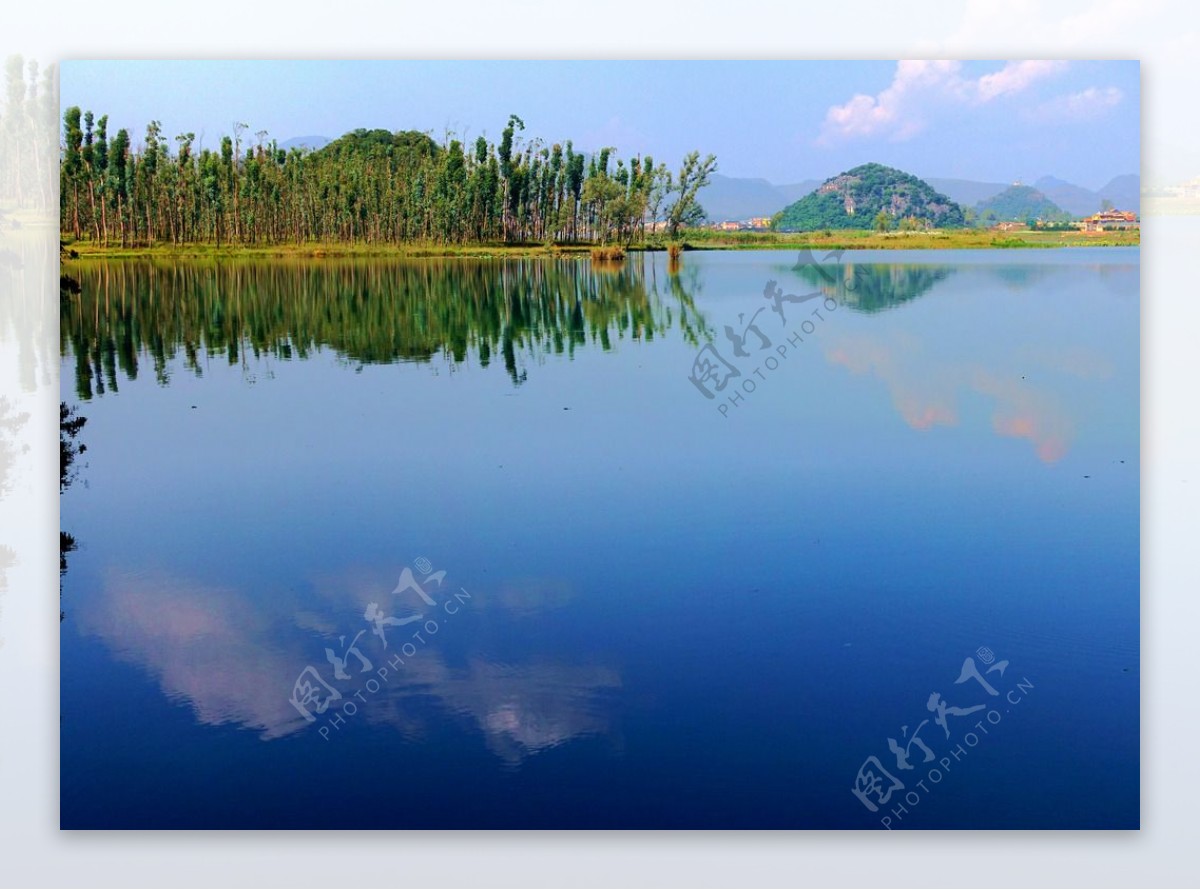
(783, 121)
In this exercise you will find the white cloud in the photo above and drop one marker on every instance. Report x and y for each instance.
(866, 115)
(1014, 77)
(1084, 105)
(897, 111)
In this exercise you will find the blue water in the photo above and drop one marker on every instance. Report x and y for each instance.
(655, 613)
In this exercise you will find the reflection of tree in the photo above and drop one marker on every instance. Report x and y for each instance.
(70, 424)
(691, 322)
(368, 311)
(874, 287)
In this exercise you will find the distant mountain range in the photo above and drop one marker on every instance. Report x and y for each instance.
(737, 198)
(968, 192)
(312, 143)
(733, 198)
(1019, 203)
(1125, 193)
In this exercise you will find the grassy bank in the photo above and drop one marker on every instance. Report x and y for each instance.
(949, 239)
(697, 239)
(87, 249)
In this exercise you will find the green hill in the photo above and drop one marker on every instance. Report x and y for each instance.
(403, 149)
(854, 200)
(1021, 202)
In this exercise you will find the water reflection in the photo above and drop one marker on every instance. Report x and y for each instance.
(925, 390)
(875, 287)
(928, 379)
(591, 678)
(370, 311)
(521, 709)
(232, 659)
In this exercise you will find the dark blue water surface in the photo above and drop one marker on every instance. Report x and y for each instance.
(659, 610)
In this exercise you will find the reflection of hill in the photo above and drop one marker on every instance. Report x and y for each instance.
(874, 287)
(1021, 277)
(368, 311)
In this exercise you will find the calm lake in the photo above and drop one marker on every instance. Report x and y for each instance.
(466, 543)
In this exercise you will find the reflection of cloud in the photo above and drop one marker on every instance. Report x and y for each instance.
(520, 709)
(526, 709)
(1025, 414)
(220, 653)
(206, 646)
(351, 588)
(914, 394)
(1075, 361)
(924, 392)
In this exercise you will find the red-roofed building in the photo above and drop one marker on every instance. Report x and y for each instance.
(1110, 219)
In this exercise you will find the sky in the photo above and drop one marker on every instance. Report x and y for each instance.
(997, 121)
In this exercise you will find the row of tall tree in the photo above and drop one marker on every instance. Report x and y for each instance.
(369, 186)
(27, 125)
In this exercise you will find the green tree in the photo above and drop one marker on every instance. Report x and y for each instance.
(371, 186)
(72, 165)
(693, 176)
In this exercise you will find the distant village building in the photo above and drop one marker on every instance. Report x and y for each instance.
(754, 224)
(1106, 220)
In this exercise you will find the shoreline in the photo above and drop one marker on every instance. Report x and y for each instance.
(694, 241)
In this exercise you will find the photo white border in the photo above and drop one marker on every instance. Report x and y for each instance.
(1163, 35)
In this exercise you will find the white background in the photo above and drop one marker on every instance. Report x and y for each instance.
(1163, 35)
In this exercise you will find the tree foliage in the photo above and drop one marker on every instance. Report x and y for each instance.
(369, 186)
(693, 176)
